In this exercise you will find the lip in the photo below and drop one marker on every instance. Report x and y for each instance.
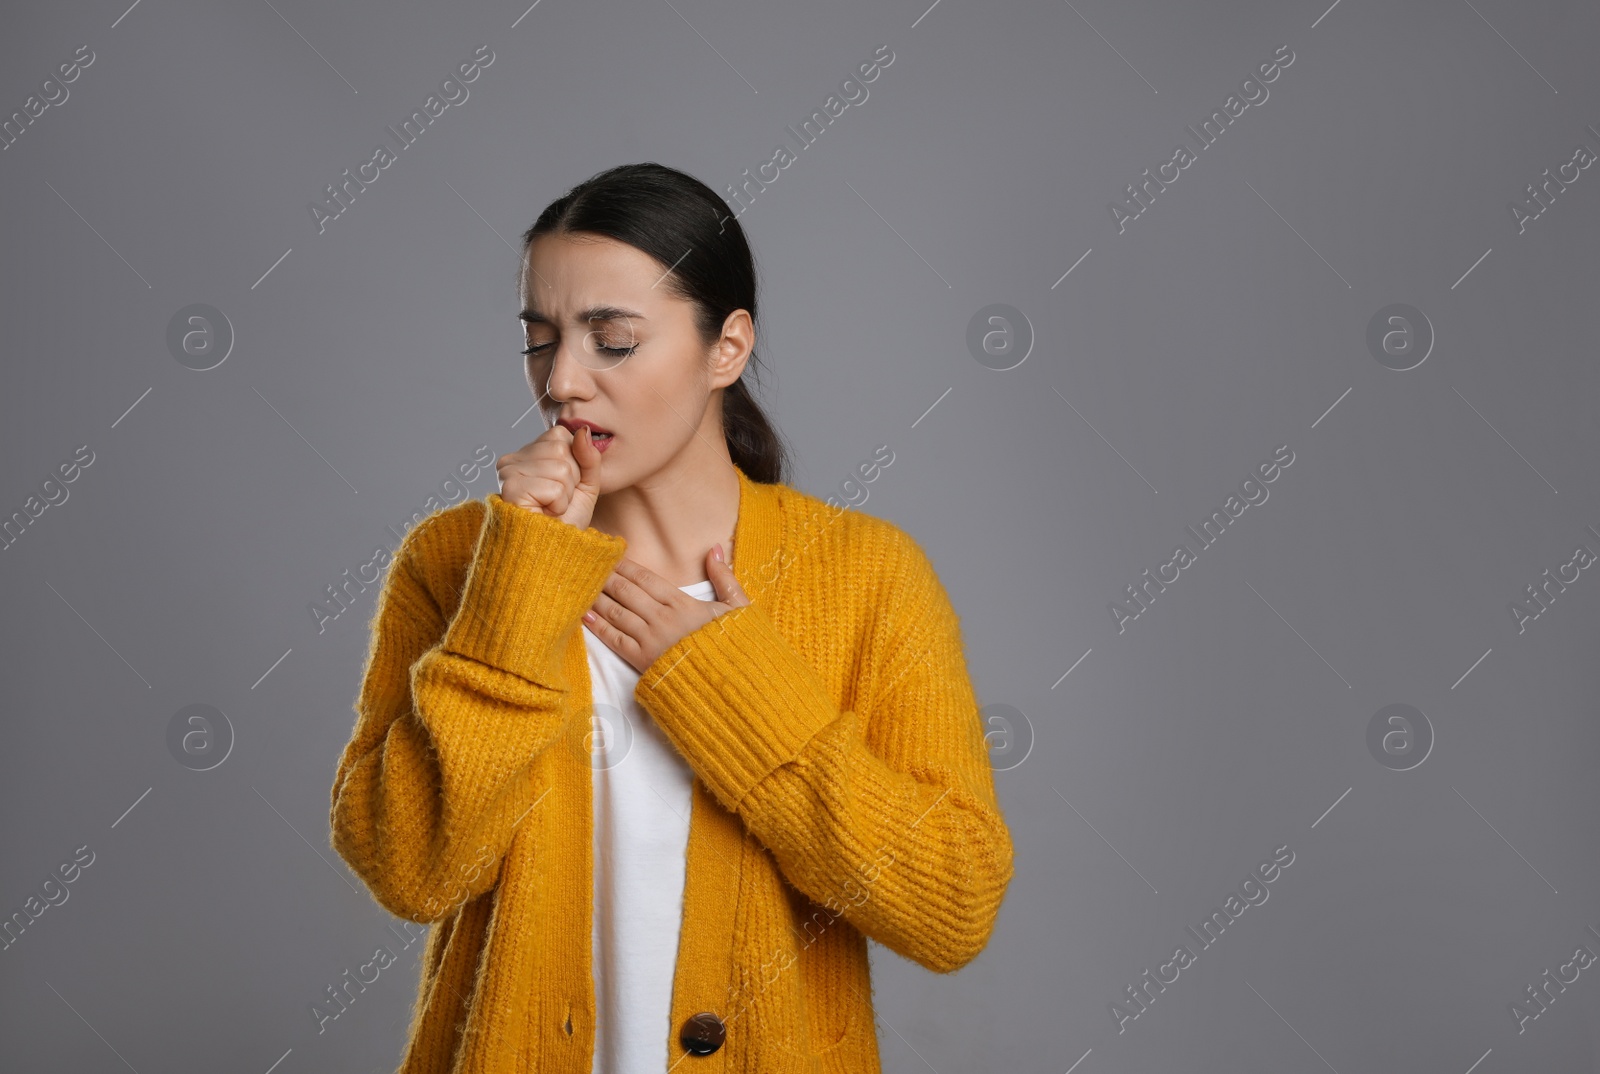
(572, 424)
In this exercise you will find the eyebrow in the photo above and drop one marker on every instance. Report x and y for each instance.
(590, 315)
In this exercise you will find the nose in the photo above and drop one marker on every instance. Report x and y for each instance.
(570, 376)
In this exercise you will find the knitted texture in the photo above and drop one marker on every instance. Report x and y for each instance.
(842, 786)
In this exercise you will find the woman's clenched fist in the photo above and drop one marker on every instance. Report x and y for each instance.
(557, 474)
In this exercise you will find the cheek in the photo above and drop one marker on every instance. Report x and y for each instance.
(536, 373)
(660, 410)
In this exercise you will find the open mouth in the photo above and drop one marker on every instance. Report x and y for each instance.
(597, 436)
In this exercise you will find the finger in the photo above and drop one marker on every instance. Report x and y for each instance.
(603, 630)
(567, 452)
(587, 457)
(645, 582)
(618, 616)
(724, 581)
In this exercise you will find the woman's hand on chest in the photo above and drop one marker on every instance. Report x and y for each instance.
(640, 615)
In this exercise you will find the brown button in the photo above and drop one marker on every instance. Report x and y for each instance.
(702, 1033)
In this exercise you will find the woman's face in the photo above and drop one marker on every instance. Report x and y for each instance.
(610, 345)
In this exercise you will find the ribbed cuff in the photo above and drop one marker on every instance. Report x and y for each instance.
(737, 700)
(532, 578)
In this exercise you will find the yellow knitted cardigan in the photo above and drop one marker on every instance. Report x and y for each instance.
(843, 788)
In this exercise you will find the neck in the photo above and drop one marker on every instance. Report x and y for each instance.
(673, 518)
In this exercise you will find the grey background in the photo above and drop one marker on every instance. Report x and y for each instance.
(1228, 720)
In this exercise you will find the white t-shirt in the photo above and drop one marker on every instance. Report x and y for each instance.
(642, 791)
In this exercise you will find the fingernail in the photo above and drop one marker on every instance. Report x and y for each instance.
(716, 553)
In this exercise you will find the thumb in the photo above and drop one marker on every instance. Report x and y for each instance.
(723, 580)
(587, 457)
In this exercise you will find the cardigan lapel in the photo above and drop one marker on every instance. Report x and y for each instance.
(757, 536)
(705, 977)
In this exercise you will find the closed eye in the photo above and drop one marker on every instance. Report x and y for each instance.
(539, 348)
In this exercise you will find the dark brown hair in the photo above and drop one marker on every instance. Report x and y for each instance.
(685, 226)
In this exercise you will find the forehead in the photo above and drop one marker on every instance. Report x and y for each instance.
(574, 278)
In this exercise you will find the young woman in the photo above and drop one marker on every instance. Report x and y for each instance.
(654, 741)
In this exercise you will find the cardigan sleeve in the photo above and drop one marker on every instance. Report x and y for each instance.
(886, 814)
(453, 711)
